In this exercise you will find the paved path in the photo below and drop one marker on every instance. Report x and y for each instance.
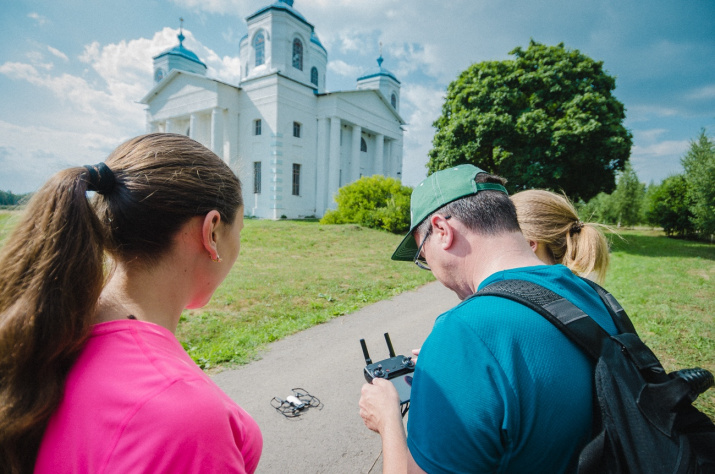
(327, 361)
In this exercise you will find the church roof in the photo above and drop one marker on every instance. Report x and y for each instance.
(284, 5)
(314, 39)
(180, 50)
(378, 71)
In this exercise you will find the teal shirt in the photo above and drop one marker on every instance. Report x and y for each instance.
(497, 388)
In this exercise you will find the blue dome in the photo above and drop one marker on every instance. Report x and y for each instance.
(179, 50)
(314, 39)
(285, 5)
(378, 71)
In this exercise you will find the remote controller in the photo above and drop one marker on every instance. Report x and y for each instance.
(397, 369)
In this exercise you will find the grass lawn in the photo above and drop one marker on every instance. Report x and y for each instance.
(292, 275)
(289, 276)
(667, 287)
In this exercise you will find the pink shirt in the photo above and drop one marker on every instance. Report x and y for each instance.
(135, 402)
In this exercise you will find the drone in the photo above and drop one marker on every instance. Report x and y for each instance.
(296, 404)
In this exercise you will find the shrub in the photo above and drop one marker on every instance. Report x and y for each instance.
(373, 201)
(668, 206)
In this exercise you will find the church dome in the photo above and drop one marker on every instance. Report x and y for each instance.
(314, 39)
(378, 71)
(285, 5)
(181, 51)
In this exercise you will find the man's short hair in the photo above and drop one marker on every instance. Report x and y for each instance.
(486, 212)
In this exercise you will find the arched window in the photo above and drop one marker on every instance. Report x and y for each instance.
(393, 101)
(314, 76)
(259, 48)
(363, 145)
(297, 54)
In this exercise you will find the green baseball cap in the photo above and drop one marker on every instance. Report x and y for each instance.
(437, 190)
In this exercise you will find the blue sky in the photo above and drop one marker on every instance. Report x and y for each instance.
(72, 71)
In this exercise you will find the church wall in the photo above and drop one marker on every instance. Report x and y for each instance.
(258, 101)
(297, 104)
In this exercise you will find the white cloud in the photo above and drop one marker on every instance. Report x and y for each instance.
(344, 69)
(224, 7)
(57, 53)
(89, 116)
(703, 93)
(41, 20)
(421, 106)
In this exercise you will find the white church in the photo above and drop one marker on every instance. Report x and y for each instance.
(292, 143)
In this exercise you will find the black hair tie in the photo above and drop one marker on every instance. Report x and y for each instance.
(101, 178)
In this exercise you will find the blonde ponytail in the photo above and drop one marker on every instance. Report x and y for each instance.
(551, 219)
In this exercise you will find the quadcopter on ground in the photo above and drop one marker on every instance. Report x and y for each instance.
(294, 405)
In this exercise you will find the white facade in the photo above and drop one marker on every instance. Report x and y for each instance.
(292, 144)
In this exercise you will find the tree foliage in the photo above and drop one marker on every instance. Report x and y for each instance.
(375, 201)
(9, 199)
(623, 207)
(546, 119)
(668, 206)
(699, 165)
(628, 198)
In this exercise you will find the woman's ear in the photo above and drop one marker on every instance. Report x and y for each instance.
(209, 231)
(534, 245)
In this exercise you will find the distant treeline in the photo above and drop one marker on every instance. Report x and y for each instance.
(9, 199)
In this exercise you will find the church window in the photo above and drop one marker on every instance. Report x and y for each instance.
(297, 54)
(314, 76)
(257, 177)
(363, 145)
(259, 48)
(257, 127)
(296, 179)
(393, 101)
(296, 129)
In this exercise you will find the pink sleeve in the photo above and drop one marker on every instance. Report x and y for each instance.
(187, 427)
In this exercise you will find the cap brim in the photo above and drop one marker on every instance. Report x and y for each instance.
(407, 249)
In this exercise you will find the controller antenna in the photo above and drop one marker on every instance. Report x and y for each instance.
(389, 345)
(368, 361)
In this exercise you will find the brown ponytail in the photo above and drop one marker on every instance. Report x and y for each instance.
(52, 265)
(552, 220)
(52, 278)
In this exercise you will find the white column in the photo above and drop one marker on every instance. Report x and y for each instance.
(334, 159)
(379, 148)
(355, 155)
(389, 165)
(322, 168)
(192, 126)
(216, 129)
(169, 126)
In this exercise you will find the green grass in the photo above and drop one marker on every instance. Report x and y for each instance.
(667, 287)
(292, 275)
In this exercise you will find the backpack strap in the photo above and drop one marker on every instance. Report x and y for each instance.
(618, 314)
(567, 317)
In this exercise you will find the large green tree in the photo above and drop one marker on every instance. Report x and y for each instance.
(546, 119)
(699, 165)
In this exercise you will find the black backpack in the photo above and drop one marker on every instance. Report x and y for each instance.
(644, 421)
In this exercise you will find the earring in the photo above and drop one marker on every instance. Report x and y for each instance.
(217, 259)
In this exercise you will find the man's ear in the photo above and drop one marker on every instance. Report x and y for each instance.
(534, 245)
(443, 231)
(209, 230)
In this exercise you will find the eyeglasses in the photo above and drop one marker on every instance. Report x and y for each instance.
(419, 259)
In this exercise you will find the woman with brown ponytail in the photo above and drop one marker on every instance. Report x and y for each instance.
(92, 378)
(556, 234)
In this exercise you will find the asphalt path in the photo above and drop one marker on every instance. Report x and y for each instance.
(327, 361)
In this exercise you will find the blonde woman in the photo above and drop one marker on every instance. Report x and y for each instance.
(556, 234)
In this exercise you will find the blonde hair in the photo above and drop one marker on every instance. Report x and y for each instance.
(550, 219)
